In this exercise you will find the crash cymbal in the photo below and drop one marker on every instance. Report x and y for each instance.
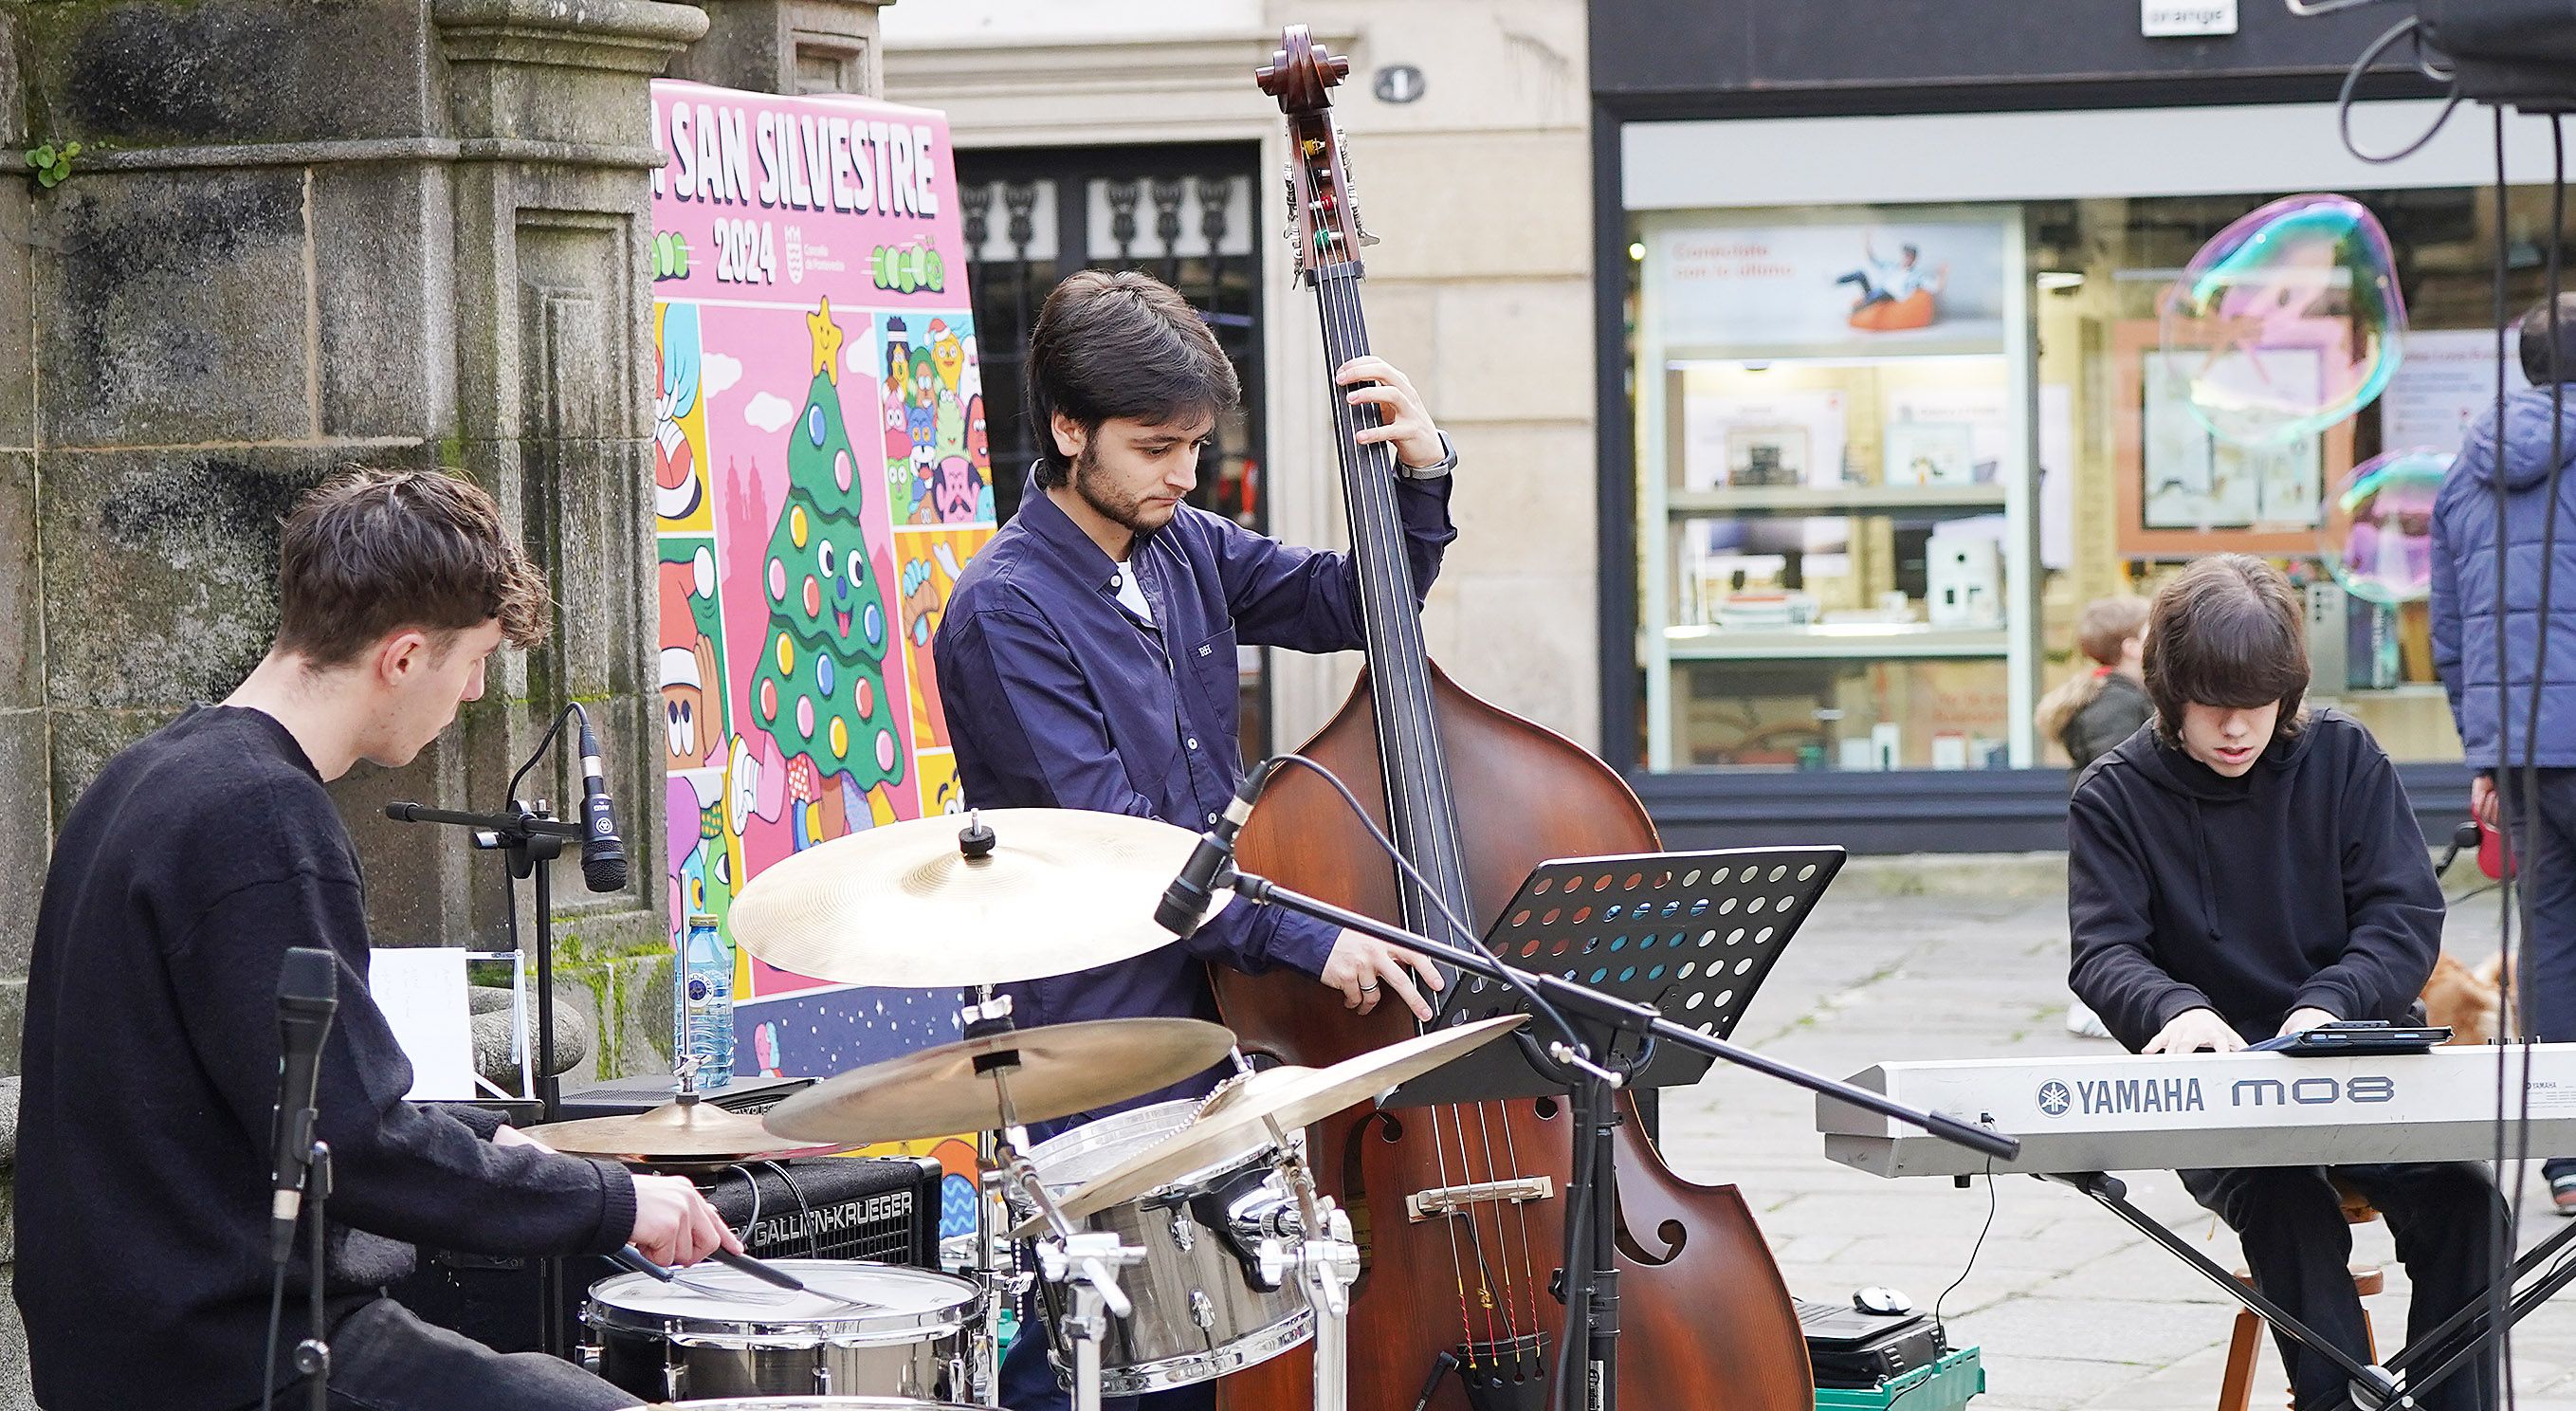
(1301, 1102)
(675, 1131)
(903, 904)
(1063, 1069)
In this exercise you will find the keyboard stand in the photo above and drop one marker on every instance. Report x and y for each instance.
(2369, 1388)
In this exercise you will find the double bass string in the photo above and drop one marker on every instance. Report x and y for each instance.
(1341, 334)
(1377, 530)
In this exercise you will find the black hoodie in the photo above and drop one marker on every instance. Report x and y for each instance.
(2303, 882)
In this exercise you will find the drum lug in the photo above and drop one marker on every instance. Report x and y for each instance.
(675, 1379)
(1183, 1237)
(822, 1374)
(1202, 1310)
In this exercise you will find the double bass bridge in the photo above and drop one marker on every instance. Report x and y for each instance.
(1450, 1200)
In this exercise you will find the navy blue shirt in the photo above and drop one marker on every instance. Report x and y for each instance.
(1058, 697)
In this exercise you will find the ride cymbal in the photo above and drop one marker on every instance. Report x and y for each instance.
(1063, 1069)
(916, 906)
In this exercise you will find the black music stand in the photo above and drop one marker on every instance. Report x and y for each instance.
(1692, 934)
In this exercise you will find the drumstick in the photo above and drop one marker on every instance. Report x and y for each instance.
(765, 1272)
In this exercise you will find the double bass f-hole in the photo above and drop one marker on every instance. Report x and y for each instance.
(1474, 797)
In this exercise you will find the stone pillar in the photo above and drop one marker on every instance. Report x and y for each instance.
(299, 237)
(788, 46)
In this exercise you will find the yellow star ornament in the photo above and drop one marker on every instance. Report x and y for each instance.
(827, 341)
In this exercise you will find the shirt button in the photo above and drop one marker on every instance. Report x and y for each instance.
(1193, 742)
(1114, 580)
(1211, 818)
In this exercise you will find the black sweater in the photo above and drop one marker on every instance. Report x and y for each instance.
(2304, 882)
(177, 884)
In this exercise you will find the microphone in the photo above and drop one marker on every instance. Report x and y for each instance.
(603, 856)
(308, 996)
(1185, 902)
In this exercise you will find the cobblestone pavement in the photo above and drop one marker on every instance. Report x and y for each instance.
(2071, 1307)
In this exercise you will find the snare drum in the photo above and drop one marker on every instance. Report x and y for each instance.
(665, 1342)
(1197, 1315)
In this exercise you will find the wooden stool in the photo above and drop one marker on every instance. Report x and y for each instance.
(2245, 1346)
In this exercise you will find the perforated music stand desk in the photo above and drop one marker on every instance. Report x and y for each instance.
(1691, 933)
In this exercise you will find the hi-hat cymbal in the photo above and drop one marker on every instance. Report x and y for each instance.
(1300, 1102)
(675, 1131)
(1063, 1069)
(902, 904)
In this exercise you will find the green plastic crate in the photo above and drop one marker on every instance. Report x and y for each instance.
(1943, 1386)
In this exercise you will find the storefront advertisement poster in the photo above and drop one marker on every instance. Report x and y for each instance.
(2445, 384)
(1833, 288)
(1787, 438)
(2196, 480)
(2183, 492)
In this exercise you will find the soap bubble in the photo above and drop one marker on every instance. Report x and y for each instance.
(2287, 322)
(2378, 540)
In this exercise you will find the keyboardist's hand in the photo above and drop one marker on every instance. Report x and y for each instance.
(2194, 1030)
(2302, 1020)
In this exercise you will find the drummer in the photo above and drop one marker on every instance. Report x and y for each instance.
(196, 859)
(1087, 658)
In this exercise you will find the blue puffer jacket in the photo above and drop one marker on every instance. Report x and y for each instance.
(2464, 585)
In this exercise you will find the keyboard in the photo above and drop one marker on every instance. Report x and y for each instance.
(2128, 1113)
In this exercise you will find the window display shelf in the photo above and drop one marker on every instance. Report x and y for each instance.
(1837, 499)
(1859, 641)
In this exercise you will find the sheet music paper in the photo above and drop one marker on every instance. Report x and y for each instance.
(421, 990)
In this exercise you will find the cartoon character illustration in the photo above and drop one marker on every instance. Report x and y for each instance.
(979, 444)
(676, 489)
(947, 353)
(960, 491)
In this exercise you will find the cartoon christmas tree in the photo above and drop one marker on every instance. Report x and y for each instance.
(820, 689)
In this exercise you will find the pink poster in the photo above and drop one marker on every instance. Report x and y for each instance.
(821, 476)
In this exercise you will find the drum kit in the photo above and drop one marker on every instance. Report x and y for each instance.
(1165, 1245)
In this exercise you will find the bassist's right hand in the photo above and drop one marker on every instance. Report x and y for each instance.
(1365, 968)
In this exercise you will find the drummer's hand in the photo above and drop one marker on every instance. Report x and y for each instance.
(1364, 968)
(1401, 418)
(512, 1136)
(674, 1225)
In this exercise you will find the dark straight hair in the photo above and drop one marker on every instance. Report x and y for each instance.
(1119, 345)
(2227, 631)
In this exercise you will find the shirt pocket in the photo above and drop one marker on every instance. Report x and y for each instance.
(1215, 685)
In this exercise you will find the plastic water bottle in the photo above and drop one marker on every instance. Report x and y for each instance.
(706, 1001)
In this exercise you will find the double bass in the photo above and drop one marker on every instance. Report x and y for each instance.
(1475, 797)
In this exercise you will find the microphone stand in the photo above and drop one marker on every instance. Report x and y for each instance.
(1591, 1287)
(528, 837)
(313, 1354)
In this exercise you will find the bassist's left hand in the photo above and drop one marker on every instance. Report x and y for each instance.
(1402, 420)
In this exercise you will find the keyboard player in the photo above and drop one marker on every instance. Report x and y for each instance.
(2239, 869)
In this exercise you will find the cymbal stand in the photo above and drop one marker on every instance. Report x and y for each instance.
(1087, 1260)
(1326, 1261)
(997, 1266)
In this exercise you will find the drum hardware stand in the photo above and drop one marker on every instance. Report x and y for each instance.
(1001, 1281)
(1326, 1261)
(1590, 1247)
(1087, 1260)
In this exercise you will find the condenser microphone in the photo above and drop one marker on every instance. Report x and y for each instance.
(308, 996)
(1186, 901)
(603, 856)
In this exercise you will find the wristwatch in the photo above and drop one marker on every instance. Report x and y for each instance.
(1448, 462)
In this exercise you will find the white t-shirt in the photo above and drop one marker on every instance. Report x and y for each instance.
(1132, 596)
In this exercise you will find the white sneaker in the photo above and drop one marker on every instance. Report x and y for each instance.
(2084, 1023)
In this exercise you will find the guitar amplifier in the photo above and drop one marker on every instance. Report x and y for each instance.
(881, 1209)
